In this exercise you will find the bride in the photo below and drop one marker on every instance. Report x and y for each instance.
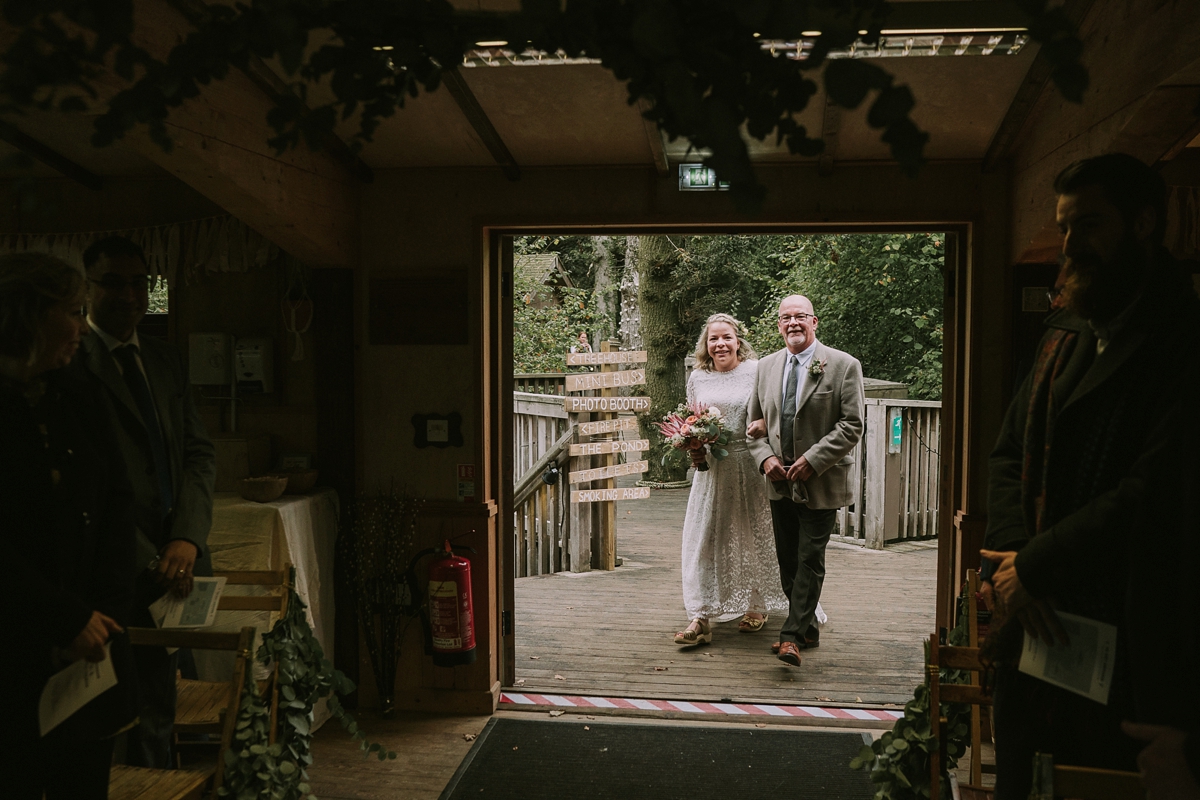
(729, 563)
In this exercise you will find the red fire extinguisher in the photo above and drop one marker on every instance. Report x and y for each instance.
(451, 613)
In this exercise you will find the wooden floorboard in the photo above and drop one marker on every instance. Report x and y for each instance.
(609, 633)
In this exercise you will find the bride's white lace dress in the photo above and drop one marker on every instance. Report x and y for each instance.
(729, 563)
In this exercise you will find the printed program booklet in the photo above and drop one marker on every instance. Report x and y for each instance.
(1085, 666)
(73, 687)
(197, 610)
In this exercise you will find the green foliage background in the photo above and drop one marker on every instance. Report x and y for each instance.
(877, 296)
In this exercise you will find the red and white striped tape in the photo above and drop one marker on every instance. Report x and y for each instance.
(697, 707)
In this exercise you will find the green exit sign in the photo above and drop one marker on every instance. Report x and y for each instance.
(699, 178)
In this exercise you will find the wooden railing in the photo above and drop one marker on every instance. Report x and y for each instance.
(540, 383)
(897, 487)
(542, 435)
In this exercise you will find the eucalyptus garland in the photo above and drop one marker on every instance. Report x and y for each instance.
(698, 66)
(899, 760)
(255, 769)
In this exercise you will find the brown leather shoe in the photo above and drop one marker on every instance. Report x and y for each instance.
(809, 644)
(789, 653)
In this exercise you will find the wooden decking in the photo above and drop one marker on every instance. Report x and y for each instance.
(609, 633)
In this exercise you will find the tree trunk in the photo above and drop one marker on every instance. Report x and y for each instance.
(662, 337)
(604, 290)
(631, 320)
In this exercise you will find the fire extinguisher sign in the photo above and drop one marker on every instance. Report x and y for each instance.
(445, 616)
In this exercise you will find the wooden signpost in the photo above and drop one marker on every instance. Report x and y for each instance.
(608, 405)
(628, 468)
(605, 495)
(605, 380)
(596, 461)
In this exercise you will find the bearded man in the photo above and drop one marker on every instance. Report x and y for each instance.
(1078, 450)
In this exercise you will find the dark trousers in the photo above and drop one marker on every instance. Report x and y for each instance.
(57, 767)
(801, 534)
(1033, 716)
(149, 743)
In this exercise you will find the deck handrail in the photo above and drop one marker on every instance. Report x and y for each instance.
(557, 454)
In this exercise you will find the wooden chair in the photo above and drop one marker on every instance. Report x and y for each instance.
(1084, 783)
(139, 783)
(973, 693)
(200, 705)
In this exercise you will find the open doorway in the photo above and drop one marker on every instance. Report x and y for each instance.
(584, 630)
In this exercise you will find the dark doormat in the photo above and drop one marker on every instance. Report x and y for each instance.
(539, 759)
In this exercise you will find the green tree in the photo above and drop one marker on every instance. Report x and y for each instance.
(878, 297)
(549, 326)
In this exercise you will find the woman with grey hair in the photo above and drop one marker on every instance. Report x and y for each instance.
(66, 538)
(729, 564)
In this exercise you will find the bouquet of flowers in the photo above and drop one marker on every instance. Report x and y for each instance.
(691, 427)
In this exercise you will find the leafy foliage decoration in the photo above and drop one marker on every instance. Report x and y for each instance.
(899, 760)
(698, 64)
(376, 540)
(255, 767)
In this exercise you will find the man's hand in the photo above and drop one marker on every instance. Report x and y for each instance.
(1037, 616)
(175, 564)
(756, 429)
(699, 456)
(986, 595)
(1005, 580)
(1165, 772)
(89, 642)
(773, 469)
(801, 470)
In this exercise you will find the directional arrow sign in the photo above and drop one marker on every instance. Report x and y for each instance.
(607, 426)
(599, 473)
(600, 448)
(600, 495)
(613, 357)
(605, 380)
(578, 404)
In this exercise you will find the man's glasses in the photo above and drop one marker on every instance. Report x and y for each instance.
(115, 283)
(786, 318)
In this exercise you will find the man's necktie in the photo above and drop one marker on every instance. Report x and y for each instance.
(136, 381)
(789, 410)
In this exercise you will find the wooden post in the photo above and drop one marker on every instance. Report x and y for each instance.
(608, 510)
(581, 514)
(874, 454)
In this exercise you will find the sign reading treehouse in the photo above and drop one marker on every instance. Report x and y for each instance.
(605, 380)
(602, 495)
(578, 405)
(611, 357)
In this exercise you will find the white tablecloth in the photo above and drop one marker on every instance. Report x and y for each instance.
(296, 529)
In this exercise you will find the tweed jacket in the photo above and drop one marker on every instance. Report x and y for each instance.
(189, 450)
(829, 423)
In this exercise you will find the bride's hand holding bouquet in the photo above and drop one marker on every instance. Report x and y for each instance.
(693, 427)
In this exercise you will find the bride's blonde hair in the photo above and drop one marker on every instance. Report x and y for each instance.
(744, 351)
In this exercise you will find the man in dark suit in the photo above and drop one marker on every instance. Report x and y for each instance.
(1074, 462)
(170, 461)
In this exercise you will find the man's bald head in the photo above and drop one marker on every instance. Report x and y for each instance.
(797, 322)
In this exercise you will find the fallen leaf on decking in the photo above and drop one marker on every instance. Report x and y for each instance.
(559, 678)
(558, 712)
(468, 737)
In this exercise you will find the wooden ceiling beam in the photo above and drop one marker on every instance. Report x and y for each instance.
(1001, 146)
(306, 202)
(469, 105)
(654, 139)
(50, 157)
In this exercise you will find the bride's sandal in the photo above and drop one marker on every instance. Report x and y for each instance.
(698, 632)
(751, 624)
